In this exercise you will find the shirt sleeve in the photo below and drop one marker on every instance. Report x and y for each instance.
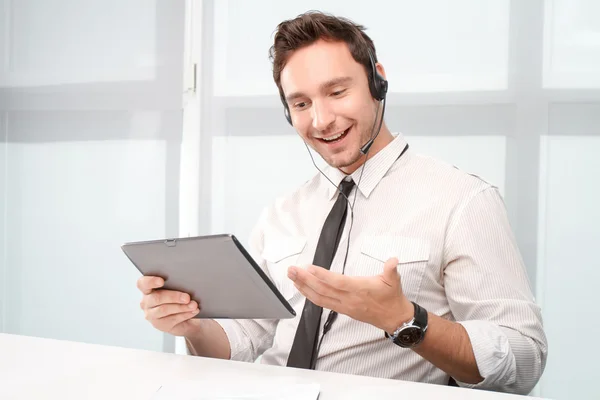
(490, 296)
(248, 338)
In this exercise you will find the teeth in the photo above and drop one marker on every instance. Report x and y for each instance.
(334, 137)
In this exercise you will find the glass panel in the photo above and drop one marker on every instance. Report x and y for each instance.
(69, 41)
(569, 232)
(72, 201)
(426, 46)
(572, 44)
(3, 212)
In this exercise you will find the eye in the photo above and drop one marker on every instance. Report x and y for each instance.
(338, 92)
(300, 105)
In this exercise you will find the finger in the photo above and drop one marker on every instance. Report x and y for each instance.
(338, 281)
(325, 282)
(147, 284)
(306, 279)
(319, 299)
(390, 271)
(166, 310)
(173, 320)
(159, 297)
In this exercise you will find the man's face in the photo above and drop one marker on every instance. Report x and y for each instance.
(330, 103)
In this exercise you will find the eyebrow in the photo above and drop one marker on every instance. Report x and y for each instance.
(324, 86)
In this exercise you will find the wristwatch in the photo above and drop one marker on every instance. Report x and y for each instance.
(411, 333)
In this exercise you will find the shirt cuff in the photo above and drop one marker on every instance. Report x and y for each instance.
(241, 350)
(493, 354)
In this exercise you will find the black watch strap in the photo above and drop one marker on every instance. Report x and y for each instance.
(420, 316)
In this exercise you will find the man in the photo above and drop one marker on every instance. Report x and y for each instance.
(427, 283)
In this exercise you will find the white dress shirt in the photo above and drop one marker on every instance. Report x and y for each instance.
(457, 258)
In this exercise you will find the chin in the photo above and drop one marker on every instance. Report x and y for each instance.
(343, 160)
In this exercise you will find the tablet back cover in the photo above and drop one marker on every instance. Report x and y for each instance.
(216, 271)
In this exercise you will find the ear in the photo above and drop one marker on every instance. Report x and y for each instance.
(381, 70)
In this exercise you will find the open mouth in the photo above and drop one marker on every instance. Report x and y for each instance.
(336, 138)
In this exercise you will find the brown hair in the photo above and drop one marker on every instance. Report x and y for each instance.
(311, 26)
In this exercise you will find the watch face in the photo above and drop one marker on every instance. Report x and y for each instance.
(409, 336)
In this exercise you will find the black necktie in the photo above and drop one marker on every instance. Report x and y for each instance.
(305, 341)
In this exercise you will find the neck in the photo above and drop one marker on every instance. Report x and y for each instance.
(384, 138)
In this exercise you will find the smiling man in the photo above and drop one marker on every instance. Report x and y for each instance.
(398, 265)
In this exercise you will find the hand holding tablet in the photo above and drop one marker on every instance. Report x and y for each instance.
(167, 310)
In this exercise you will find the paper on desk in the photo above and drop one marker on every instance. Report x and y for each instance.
(232, 389)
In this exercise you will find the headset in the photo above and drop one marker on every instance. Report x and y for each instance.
(378, 86)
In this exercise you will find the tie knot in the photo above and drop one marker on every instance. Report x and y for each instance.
(346, 187)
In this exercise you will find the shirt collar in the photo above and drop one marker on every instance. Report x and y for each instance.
(374, 169)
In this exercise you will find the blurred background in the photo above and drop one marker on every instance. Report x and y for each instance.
(142, 119)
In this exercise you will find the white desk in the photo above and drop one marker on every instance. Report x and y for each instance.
(35, 368)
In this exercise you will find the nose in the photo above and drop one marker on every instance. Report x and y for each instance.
(322, 116)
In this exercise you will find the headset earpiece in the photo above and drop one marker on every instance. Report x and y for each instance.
(377, 84)
(379, 87)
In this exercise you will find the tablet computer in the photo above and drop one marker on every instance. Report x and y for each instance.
(214, 270)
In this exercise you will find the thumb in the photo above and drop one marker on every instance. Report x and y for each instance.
(390, 271)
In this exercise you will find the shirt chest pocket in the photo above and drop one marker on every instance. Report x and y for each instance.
(412, 254)
(279, 254)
